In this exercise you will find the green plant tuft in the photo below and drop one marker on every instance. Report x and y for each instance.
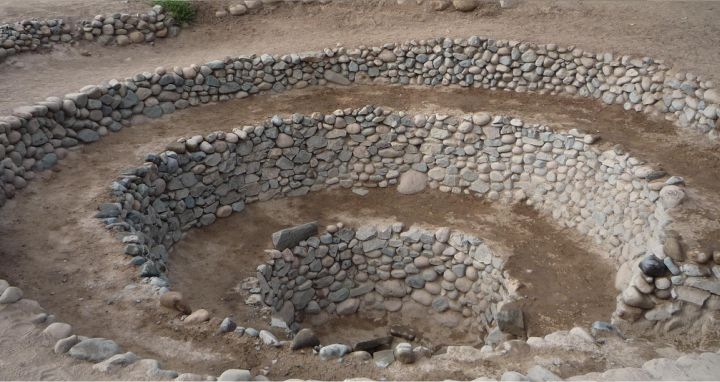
(183, 11)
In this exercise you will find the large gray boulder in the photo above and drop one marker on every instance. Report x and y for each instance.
(290, 237)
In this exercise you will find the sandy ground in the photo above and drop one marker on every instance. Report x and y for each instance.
(52, 247)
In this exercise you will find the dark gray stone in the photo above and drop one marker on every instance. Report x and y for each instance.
(290, 237)
(305, 338)
(88, 136)
(510, 320)
(653, 267)
(373, 344)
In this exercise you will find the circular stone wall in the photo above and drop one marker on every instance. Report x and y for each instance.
(607, 195)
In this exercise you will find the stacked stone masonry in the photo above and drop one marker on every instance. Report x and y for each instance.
(383, 267)
(119, 28)
(607, 195)
(497, 157)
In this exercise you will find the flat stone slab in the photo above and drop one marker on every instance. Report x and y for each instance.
(290, 237)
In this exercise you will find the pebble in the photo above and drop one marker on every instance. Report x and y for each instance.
(58, 330)
(227, 325)
(305, 338)
(115, 362)
(268, 338)
(94, 350)
(62, 346)
(333, 351)
(252, 332)
(197, 317)
(383, 358)
(403, 353)
(235, 375)
(11, 295)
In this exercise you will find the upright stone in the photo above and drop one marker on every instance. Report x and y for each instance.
(290, 237)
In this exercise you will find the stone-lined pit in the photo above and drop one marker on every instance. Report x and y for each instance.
(606, 194)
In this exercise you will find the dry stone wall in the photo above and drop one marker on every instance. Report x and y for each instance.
(36, 136)
(605, 194)
(608, 195)
(382, 268)
(119, 28)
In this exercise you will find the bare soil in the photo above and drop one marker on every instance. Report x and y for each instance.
(57, 253)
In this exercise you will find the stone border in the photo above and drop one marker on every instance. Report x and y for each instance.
(608, 195)
(382, 268)
(118, 28)
(37, 136)
(243, 7)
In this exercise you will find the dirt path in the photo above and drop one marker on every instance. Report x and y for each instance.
(690, 35)
(82, 279)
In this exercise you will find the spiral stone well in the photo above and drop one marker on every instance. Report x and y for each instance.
(616, 200)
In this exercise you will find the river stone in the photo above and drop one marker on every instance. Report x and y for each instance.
(632, 297)
(305, 338)
(412, 182)
(348, 307)
(88, 136)
(63, 345)
(115, 362)
(94, 350)
(336, 78)
(403, 331)
(421, 296)
(390, 288)
(3, 285)
(227, 325)
(653, 266)
(465, 5)
(671, 196)
(290, 237)
(404, 353)
(175, 300)
(510, 320)
(383, 358)
(283, 141)
(333, 351)
(360, 356)
(268, 338)
(235, 375)
(11, 295)
(198, 316)
(58, 330)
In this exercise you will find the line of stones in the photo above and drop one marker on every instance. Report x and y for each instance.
(119, 28)
(608, 195)
(35, 137)
(107, 355)
(381, 268)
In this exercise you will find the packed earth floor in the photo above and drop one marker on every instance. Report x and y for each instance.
(60, 255)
